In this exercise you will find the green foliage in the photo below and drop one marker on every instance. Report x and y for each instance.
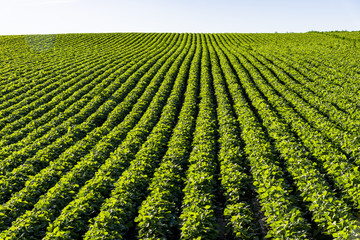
(190, 136)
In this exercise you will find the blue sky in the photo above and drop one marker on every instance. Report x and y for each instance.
(74, 16)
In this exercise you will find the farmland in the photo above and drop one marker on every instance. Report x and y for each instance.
(180, 136)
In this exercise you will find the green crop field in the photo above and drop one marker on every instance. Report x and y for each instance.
(180, 136)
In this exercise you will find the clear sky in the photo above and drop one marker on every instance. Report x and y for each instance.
(76, 16)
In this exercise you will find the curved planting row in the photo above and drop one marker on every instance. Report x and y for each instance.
(233, 164)
(158, 214)
(197, 217)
